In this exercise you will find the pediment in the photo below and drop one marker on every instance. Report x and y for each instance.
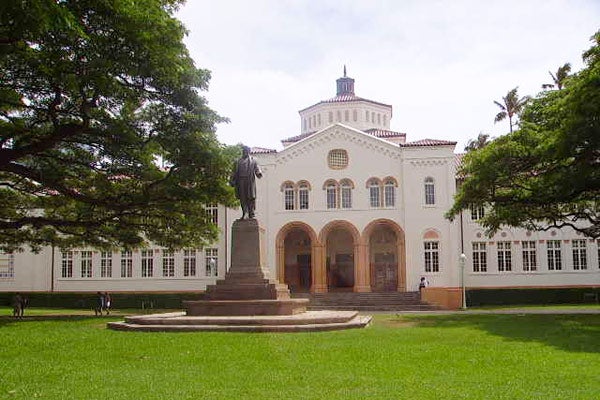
(337, 132)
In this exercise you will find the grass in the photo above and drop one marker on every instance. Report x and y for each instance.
(456, 356)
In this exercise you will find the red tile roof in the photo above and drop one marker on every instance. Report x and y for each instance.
(346, 98)
(429, 143)
(261, 150)
(382, 133)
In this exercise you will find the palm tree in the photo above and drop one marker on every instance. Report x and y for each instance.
(511, 106)
(559, 79)
(479, 143)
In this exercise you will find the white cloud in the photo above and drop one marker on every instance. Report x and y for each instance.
(440, 64)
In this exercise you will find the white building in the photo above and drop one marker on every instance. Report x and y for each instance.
(347, 205)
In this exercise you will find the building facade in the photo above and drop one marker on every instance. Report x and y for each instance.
(347, 205)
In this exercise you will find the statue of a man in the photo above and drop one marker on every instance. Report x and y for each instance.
(243, 179)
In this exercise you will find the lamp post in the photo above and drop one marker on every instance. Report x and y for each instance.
(462, 260)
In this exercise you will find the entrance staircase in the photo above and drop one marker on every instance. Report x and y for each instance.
(367, 302)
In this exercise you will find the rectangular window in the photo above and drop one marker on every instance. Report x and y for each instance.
(106, 264)
(529, 256)
(147, 263)
(86, 264)
(390, 195)
(504, 257)
(331, 197)
(212, 212)
(189, 262)
(288, 194)
(7, 265)
(126, 264)
(168, 263)
(477, 212)
(212, 261)
(429, 191)
(303, 198)
(346, 197)
(374, 196)
(554, 255)
(67, 264)
(479, 257)
(432, 257)
(579, 254)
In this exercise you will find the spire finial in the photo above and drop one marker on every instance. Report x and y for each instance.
(344, 70)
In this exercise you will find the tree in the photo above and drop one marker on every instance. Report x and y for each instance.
(479, 143)
(511, 107)
(546, 174)
(559, 79)
(104, 139)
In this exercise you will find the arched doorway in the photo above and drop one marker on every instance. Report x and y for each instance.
(383, 259)
(296, 245)
(385, 256)
(340, 259)
(297, 261)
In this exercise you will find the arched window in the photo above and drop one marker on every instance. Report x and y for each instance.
(330, 116)
(319, 119)
(431, 251)
(346, 193)
(355, 115)
(303, 189)
(389, 192)
(331, 192)
(429, 190)
(289, 196)
(374, 186)
(346, 115)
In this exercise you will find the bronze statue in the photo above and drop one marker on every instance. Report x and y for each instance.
(243, 179)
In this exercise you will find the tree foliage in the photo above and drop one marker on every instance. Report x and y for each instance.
(547, 173)
(511, 107)
(104, 139)
(483, 139)
(559, 79)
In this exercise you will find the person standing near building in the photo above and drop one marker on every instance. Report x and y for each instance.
(100, 303)
(423, 283)
(243, 179)
(107, 302)
(18, 305)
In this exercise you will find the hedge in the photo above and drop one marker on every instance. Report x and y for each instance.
(87, 300)
(537, 296)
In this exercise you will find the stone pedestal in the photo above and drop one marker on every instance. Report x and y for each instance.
(247, 288)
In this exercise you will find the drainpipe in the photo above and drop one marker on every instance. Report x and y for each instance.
(52, 271)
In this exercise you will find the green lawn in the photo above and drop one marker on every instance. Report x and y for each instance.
(399, 357)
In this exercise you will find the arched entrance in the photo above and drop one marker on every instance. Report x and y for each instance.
(341, 247)
(295, 255)
(383, 259)
(297, 273)
(385, 256)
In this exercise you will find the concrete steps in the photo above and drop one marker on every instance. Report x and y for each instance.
(310, 321)
(364, 302)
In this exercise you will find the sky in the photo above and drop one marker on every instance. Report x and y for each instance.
(439, 64)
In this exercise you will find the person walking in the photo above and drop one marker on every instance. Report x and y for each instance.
(100, 303)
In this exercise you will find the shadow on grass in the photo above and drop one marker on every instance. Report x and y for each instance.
(574, 333)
